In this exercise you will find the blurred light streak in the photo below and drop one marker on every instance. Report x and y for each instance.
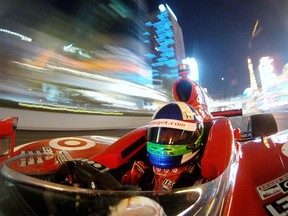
(106, 98)
(23, 37)
(256, 31)
(120, 86)
(74, 110)
(76, 47)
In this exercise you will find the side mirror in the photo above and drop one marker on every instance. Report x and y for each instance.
(8, 129)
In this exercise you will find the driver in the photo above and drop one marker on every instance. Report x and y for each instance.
(174, 148)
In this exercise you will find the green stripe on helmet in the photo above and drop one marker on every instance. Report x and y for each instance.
(167, 150)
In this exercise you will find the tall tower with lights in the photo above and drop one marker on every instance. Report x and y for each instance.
(253, 83)
(165, 45)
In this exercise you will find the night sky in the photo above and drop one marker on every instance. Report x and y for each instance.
(217, 34)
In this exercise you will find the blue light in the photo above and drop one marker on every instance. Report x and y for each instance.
(150, 55)
(149, 24)
(175, 71)
(146, 33)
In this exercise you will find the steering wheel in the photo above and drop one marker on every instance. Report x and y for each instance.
(86, 173)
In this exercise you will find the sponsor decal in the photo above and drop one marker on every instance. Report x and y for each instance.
(47, 150)
(187, 115)
(167, 184)
(279, 207)
(36, 157)
(186, 111)
(61, 157)
(31, 161)
(273, 187)
(181, 125)
(71, 143)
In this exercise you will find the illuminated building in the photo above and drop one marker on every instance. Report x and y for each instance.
(253, 83)
(267, 72)
(165, 44)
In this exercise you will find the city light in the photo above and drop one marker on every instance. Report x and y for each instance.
(161, 7)
(266, 70)
(253, 83)
(23, 37)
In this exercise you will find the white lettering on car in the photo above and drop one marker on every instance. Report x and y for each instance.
(273, 187)
(278, 207)
(181, 125)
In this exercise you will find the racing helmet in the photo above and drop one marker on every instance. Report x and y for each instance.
(174, 135)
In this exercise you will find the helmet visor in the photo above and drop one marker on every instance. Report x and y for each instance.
(171, 136)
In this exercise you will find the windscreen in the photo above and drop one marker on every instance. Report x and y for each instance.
(38, 196)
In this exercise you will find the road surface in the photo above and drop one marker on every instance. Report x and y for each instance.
(26, 136)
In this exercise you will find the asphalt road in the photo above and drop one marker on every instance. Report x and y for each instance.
(281, 119)
(26, 136)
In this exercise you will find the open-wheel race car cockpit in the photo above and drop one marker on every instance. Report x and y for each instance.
(186, 161)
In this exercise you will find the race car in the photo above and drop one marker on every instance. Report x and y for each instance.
(246, 172)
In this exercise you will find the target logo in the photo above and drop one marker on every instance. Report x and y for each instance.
(71, 143)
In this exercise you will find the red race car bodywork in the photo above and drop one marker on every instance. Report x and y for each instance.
(246, 176)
